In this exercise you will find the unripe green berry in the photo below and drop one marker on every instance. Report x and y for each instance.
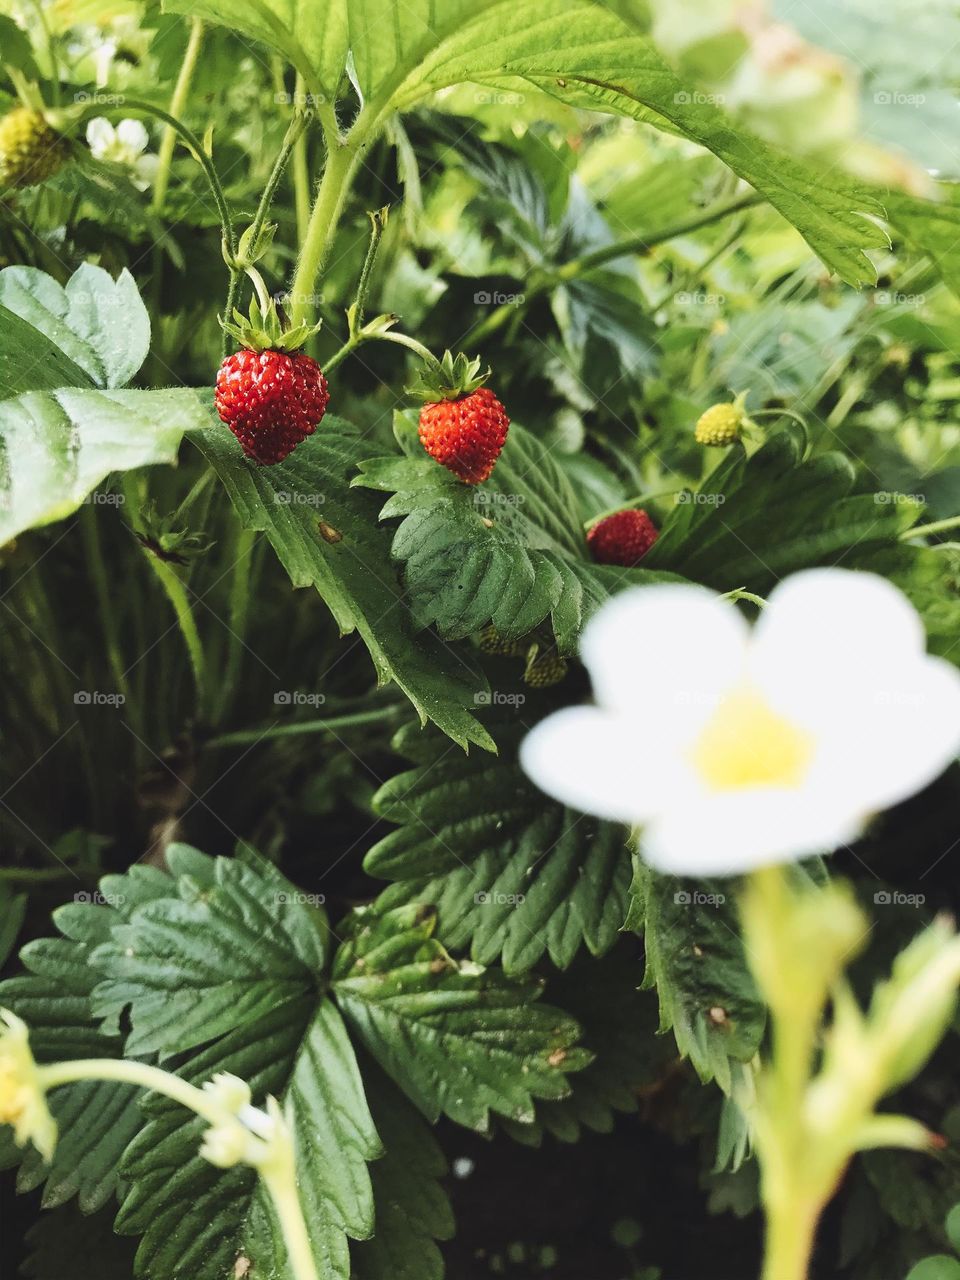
(719, 425)
(30, 151)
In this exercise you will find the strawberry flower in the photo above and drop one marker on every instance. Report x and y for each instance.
(124, 144)
(23, 1101)
(733, 747)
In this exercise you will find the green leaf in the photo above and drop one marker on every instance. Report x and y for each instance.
(460, 1040)
(57, 446)
(97, 322)
(325, 535)
(511, 551)
(29, 361)
(720, 536)
(96, 1119)
(932, 227)
(619, 1027)
(229, 966)
(13, 907)
(313, 35)
(512, 874)
(592, 58)
(190, 966)
(938, 1267)
(412, 1209)
(695, 960)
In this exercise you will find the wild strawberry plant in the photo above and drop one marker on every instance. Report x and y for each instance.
(468, 318)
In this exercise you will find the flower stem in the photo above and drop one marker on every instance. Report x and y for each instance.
(281, 1183)
(126, 1071)
(178, 101)
(342, 161)
(247, 737)
(791, 1227)
(938, 526)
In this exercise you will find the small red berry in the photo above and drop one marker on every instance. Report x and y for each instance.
(271, 401)
(623, 538)
(465, 435)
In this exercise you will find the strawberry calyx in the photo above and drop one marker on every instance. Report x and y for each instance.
(264, 329)
(448, 379)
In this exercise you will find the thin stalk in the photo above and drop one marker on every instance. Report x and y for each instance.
(301, 177)
(295, 128)
(791, 1228)
(126, 1071)
(239, 608)
(178, 101)
(342, 161)
(177, 595)
(248, 737)
(599, 257)
(281, 1183)
(628, 503)
(938, 526)
(91, 540)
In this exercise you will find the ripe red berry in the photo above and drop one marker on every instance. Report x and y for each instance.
(465, 435)
(271, 401)
(623, 538)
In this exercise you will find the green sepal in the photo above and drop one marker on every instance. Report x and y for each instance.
(263, 330)
(449, 378)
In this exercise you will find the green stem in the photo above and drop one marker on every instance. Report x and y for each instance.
(126, 1071)
(248, 737)
(94, 555)
(177, 595)
(239, 606)
(295, 128)
(178, 101)
(599, 258)
(938, 526)
(627, 503)
(301, 177)
(281, 1183)
(791, 1228)
(194, 144)
(378, 220)
(342, 161)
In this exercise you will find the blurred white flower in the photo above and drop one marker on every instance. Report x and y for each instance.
(23, 1101)
(126, 144)
(734, 748)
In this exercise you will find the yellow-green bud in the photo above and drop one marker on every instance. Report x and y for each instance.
(719, 425)
(30, 151)
(545, 669)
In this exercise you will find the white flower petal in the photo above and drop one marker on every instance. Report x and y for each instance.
(101, 135)
(133, 134)
(829, 637)
(597, 762)
(725, 833)
(666, 655)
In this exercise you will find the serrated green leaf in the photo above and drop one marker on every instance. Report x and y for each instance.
(57, 446)
(513, 875)
(244, 942)
(459, 1039)
(720, 536)
(13, 907)
(589, 56)
(29, 361)
(325, 535)
(412, 1209)
(695, 960)
(511, 551)
(100, 324)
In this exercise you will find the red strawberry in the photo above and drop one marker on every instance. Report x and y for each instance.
(462, 424)
(465, 435)
(623, 538)
(271, 401)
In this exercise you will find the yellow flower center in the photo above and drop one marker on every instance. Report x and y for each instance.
(745, 743)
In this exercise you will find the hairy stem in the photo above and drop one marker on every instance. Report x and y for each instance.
(178, 101)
